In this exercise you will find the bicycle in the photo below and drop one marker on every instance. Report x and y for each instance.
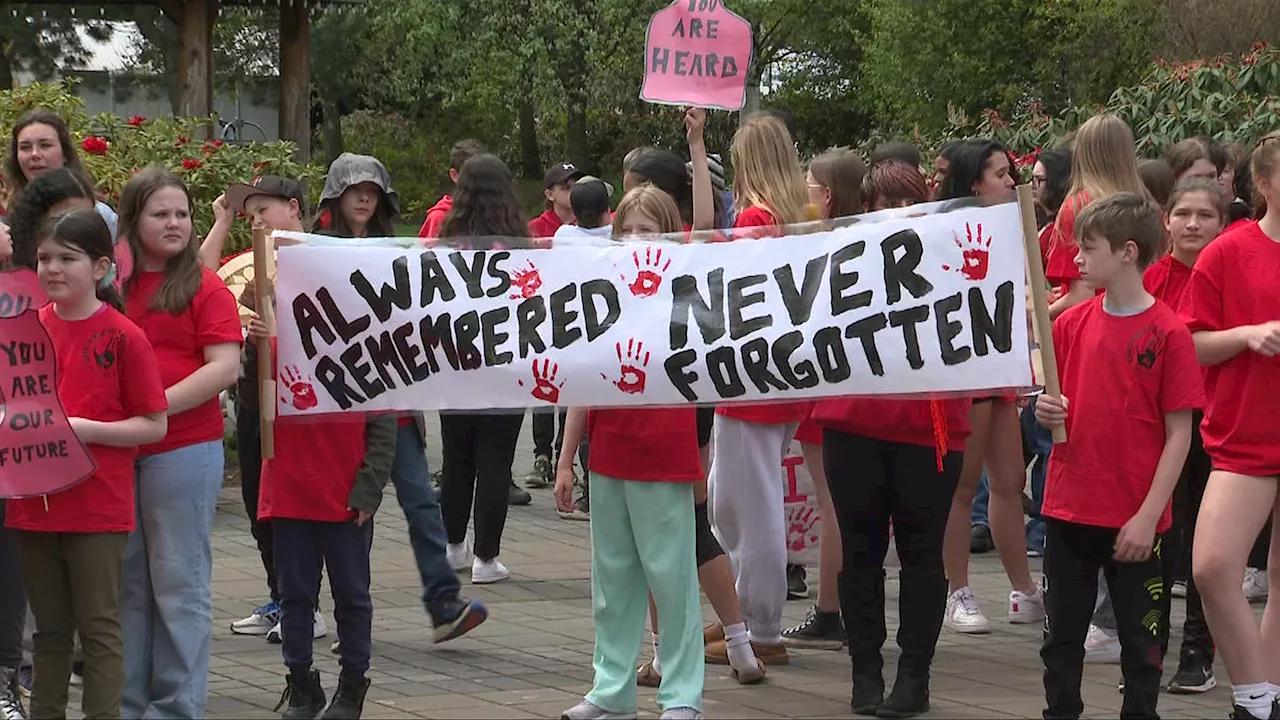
(233, 131)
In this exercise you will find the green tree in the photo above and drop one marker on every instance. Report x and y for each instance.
(42, 38)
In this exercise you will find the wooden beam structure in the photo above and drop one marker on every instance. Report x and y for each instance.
(294, 114)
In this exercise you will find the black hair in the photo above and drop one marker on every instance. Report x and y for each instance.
(1241, 207)
(787, 119)
(33, 203)
(1057, 179)
(485, 204)
(329, 219)
(86, 231)
(901, 151)
(667, 170)
(70, 158)
(968, 161)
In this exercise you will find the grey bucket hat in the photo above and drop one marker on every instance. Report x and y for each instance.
(350, 169)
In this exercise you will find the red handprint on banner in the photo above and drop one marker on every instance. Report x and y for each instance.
(801, 528)
(526, 282)
(648, 272)
(633, 365)
(975, 252)
(544, 382)
(302, 396)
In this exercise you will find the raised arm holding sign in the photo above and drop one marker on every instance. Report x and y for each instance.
(697, 52)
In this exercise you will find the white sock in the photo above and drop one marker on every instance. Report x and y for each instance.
(1254, 697)
(741, 656)
(657, 665)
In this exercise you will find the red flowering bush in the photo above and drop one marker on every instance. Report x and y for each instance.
(113, 149)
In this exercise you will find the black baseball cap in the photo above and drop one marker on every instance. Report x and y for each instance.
(269, 185)
(559, 173)
(590, 197)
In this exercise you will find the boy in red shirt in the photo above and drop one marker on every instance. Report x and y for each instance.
(462, 151)
(320, 493)
(1129, 370)
(557, 185)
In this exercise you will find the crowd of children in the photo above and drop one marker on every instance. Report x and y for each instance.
(1164, 289)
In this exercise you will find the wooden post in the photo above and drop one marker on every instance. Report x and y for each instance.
(1043, 327)
(195, 58)
(264, 287)
(295, 76)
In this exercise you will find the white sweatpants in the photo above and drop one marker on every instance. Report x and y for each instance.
(747, 517)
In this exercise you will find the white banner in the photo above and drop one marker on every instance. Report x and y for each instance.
(908, 306)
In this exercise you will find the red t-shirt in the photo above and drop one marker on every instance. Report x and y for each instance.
(20, 290)
(809, 432)
(107, 372)
(435, 218)
(768, 413)
(1122, 375)
(314, 468)
(1167, 279)
(1238, 224)
(545, 225)
(1236, 281)
(901, 421)
(1046, 242)
(650, 444)
(179, 341)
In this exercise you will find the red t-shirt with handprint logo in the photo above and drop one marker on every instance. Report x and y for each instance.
(179, 340)
(1121, 376)
(654, 444)
(768, 413)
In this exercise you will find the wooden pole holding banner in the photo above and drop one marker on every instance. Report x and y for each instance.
(1042, 325)
(263, 270)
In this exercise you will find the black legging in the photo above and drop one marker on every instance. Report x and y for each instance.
(478, 452)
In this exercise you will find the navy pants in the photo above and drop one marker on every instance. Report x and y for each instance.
(302, 549)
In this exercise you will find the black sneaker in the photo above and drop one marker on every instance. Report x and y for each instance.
(516, 496)
(980, 540)
(304, 695)
(541, 476)
(10, 698)
(819, 631)
(797, 583)
(1194, 676)
(348, 699)
(455, 618)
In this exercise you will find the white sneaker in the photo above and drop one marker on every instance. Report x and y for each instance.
(963, 614)
(459, 556)
(1256, 585)
(1101, 646)
(318, 630)
(1026, 609)
(260, 622)
(483, 573)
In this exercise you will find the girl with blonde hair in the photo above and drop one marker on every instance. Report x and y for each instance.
(1103, 163)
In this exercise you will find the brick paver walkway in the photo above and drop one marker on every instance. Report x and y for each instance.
(533, 656)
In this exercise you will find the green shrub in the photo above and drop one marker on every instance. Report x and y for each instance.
(416, 157)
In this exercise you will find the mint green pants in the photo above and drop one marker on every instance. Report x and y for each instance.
(642, 541)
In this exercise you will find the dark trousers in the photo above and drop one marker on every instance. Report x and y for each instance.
(303, 549)
(478, 452)
(546, 431)
(1176, 554)
(13, 599)
(874, 482)
(1073, 555)
(1261, 548)
(249, 451)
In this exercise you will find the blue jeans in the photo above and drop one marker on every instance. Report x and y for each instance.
(166, 602)
(412, 478)
(1040, 440)
(978, 515)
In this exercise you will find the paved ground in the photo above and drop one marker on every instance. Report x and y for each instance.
(533, 657)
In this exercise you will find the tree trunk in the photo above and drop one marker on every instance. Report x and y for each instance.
(332, 131)
(195, 59)
(295, 77)
(151, 23)
(576, 133)
(530, 160)
(6, 70)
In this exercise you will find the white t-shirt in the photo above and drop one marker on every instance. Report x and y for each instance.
(574, 236)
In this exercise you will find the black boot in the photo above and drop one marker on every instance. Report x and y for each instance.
(348, 699)
(862, 606)
(922, 600)
(304, 695)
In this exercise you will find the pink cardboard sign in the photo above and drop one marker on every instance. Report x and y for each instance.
(39, 452)
(697, 52)
(20, 291)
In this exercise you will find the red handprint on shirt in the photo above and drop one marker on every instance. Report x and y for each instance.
(526, 282)
(801, 528)
(544, 382)
(633, 373)
(303, 395)
(975, 252)
(648, 275)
